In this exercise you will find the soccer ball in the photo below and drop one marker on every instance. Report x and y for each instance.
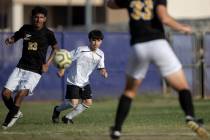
(62, 59)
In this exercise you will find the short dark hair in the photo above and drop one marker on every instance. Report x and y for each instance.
(95, 34)
(39, 9)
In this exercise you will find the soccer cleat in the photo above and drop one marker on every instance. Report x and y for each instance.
(55, 116)
(12, 121)
(197, 126)
(114, 134)
(66, 120)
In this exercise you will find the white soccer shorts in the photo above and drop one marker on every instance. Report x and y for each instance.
(157, 52)
(22, 79)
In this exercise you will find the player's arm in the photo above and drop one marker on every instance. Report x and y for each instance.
(171, 22)
(50, 58)
(74, 54)
(17, 35)
(101, 66)
(54, 47)
(52, 53)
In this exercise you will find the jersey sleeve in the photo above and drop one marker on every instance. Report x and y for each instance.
(122, 3)
(74, 53)
(162, 2)
(20, 33)
(101, 63)
(51, 38)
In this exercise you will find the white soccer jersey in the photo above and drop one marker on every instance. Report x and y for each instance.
(84, 62)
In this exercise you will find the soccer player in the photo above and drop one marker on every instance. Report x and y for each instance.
(149, 45)
(78, 94)
(26, 75)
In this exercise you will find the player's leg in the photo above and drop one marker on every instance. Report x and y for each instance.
(178, 81)
(171, 69)
(9, 103)
(124, 106)
(77, 110)
(85, 95)
(85, 104)
(73, 94)
(68, 118)
(14, 113)
(136, 70)
(27, 82)
(7, 98)
(67, 103)
(9, 87)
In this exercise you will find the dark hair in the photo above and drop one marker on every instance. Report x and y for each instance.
(95, 34)
(39, 9)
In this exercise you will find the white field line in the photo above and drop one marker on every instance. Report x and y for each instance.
(124, 134)
(29, 133)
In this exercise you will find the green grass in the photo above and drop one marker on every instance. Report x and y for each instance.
(151, 118)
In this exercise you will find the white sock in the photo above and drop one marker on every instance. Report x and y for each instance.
(189, 118)
(65, 105)
(77, 110)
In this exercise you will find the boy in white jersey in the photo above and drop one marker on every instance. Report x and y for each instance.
(85, 60)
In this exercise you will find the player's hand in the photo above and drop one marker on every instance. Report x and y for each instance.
(9, 41)
(45, 68)
(104, 73)
(60, 72)
(186, 29)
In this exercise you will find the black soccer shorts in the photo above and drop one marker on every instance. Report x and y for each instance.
(75, 92)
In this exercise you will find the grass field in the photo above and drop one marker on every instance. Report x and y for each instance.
(151, 118)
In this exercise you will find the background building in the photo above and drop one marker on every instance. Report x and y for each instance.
(81, 15)
(71, 16)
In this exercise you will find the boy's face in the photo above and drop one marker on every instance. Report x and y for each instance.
(39, 20)
(95, 43)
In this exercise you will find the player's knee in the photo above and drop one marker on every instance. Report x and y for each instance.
(130, 94)
(87, 103)
(6, 93)
(132, 84)
(184, 91)
(73, 103)
(22, 94)
(182, 87)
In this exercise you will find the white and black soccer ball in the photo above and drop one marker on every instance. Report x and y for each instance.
(62, 59)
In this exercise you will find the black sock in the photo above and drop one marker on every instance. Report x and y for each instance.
(9, 103)
(11, 114)
(15, 110)
(122, 111)
(186, 103)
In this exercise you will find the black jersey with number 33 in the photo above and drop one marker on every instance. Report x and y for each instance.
(35, 45)
(144, 22)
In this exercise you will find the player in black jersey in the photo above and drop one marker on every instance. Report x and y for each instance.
(149, 45)
(36, 40)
